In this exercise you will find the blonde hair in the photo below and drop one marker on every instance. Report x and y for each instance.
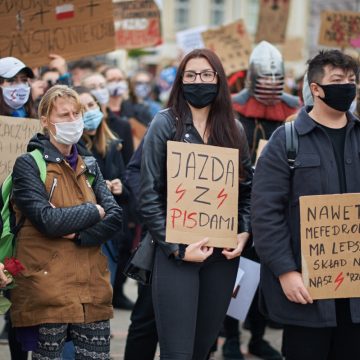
(57, 91)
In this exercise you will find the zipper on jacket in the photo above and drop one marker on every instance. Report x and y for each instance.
(53, 186)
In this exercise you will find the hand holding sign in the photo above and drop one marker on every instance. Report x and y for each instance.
(198, 252)
(242, 239)
(294, 288)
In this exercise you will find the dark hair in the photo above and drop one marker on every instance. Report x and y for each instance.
(335, 59)
(221, 122)
(82, 64)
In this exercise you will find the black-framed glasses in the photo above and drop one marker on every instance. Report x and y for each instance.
(205, 76)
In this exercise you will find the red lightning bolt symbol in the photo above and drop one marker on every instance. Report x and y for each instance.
(222, 196)
(180, 191)
(339, 279)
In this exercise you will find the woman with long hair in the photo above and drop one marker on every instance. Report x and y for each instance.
(192, 285)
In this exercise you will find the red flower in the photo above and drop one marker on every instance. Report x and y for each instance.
(13, 266)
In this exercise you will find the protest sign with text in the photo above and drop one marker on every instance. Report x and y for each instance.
(340, 29)
(15, 134)
(232, 44)
(202, 194)
(272, 21)
(31, 30)
(330, 245)
(137, 24)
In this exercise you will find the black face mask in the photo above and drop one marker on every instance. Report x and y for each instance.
(200, 95)
(339, 96)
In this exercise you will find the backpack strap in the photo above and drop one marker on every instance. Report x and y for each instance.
(40, 162)
(291, 142)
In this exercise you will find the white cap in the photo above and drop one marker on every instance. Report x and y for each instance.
(10, 66)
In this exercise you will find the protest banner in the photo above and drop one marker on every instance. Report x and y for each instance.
(202, 194)
(292, 49)
(15, 134)
(232, 44)
(31, 30)
(272, 21)
(340, 29)
(190, 39)
(246, 284)
(330, 245)
(137, 24)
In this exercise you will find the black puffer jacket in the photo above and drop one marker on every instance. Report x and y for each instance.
(32, 199)
(153, 176)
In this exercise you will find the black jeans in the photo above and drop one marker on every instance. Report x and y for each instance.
(190, 303)
(332, 343)
(142, 337)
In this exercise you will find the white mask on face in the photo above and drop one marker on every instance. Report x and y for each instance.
(16, 95)
(117, 88)
(68, 133)
(101, 95)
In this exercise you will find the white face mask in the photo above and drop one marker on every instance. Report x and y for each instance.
(117, 88)
(68, 133)
(102, 95)
(16, 95)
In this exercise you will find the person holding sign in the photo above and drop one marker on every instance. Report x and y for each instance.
(192, 285)
(327, 162)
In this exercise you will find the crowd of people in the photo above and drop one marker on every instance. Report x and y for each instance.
(103, 193)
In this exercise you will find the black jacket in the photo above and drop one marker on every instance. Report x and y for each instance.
(30, 196)
(153, 176)
(276, 213)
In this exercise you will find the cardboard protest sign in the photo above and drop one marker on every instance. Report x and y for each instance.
(202, 194)
(31, 30)
(340, 29)
(272, 21)
(137, 24)
(247, 281)
(15, 134)
(190, 39)
(232, 44)
(330, 245)
(292, 49)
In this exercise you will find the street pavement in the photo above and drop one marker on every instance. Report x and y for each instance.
(120, 324)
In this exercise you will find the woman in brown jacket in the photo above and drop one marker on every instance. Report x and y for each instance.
(65, 289)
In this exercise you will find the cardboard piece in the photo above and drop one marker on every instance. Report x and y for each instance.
(293, 49)
(15, 134)
(137, 24)
(232, 44)
(272, 22)
(31, 30)
(138, 131)
(340, 29)
(202, 194)
(247, 281)
(260, 148)
(330, 245)
(190, 39)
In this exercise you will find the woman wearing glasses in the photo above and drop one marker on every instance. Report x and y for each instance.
(192, 285)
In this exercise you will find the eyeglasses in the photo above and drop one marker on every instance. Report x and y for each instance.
(205, 76)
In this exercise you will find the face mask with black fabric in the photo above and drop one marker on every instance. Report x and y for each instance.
(92, 119)
(200, 95)
(338, 96)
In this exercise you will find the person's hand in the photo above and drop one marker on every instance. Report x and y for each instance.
(116, 187)
(242, 238)
(70, 236)
(198, 252)
(108, 184)
(58, 62)
(4, 280)
(101, 211)
(294, 288)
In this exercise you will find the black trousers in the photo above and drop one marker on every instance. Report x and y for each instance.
(333, 343)
(142, 337)
(190, 303)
